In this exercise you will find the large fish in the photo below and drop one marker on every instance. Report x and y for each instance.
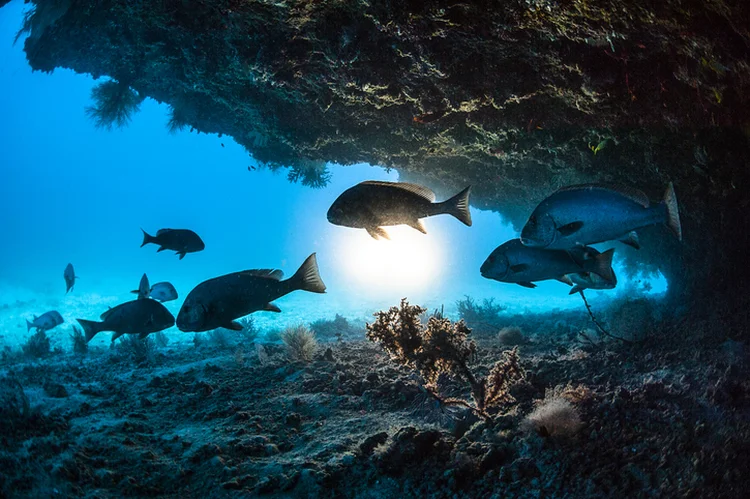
(589, 214)
(70, 277)
(46, 321)
(373, 204)
(218, 302)
(181, 241)
(515, 263)
(140, 317)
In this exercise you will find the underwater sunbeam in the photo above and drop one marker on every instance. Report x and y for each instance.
(409, 262)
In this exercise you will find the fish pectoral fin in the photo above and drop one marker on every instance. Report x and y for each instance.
(520, 267)
(570, 228)
(565, 280)
(417, 224)
(576, 289)
(182, 255)
(529, 285)
(377, 233)
(234, 326)
(161, 248)
(631, 240)
(143, 336)
(272, 307)
(116, 335)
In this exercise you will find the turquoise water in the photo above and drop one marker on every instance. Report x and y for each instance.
(70, 192)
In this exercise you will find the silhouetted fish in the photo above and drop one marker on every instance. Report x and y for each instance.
(70, 277)
(218, 302)
(144, 288)
(589, 214)
(515, 263)
(46, 321)
(140, 317)
(373, 204)
(181, 241)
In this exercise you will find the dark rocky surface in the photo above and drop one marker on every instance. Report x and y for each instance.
(516, 98)
(667, 417)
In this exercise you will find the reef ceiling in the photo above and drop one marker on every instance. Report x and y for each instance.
(514, 97)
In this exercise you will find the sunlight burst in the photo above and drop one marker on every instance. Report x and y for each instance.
(410, 261)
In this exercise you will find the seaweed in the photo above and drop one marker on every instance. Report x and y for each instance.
(80, 345)
(300, 343)
(37, 346)
(114, 105)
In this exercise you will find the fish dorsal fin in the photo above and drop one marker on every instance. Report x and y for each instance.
(163, 231)
(274, 274)
(417, 189)
(631, 193)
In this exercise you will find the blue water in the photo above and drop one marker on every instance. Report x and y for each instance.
(72, 193)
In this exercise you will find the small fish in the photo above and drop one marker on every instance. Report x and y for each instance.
(588, 280)
(46, 321)
(590, 214)
(70, 277)
(220, 301)
(143, 288)
(372, 204)
(181, 241)
(140, 317)
(161, 291)
(513, 262)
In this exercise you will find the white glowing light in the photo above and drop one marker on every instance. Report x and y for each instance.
(410, 261)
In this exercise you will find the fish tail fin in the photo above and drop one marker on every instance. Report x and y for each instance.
(90, 328)
(458, 206)
(307, 278)
(602, 266)
(576, 289)
(673, 211)
(147, 238)
(29, 325)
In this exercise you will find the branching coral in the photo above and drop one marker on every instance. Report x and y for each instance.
(114, 104)
(443, 347)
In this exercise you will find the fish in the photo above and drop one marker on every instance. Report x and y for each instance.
(144, 289)
(163, 291)
(141, 317)
(588, 280)
(513, 262)
(46, 321)
(181, 241)
(70, 277)
(220, 301)
(373, 204)
(590, 214)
